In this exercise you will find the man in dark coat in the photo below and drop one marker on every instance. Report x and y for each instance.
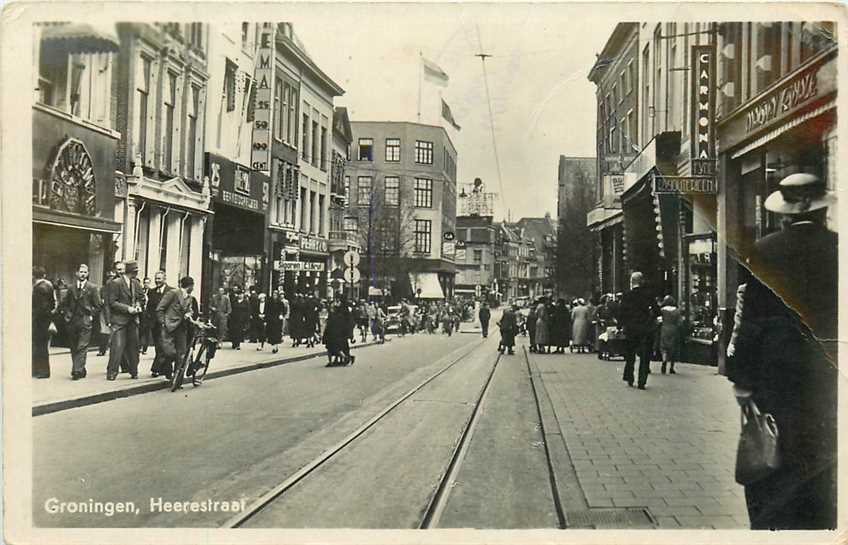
(508, 327)
(253, 303)
(485, 315)
(174, 313)
(79, 310)
(637, 315)
(153, 298)
(124, 298)
(782, 356)
(43, 303)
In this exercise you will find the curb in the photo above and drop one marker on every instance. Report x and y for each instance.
(92, 399)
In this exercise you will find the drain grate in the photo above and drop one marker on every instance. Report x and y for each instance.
(610, 519)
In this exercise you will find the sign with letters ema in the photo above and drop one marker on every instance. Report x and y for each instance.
(699, 185)
(703, 110)
(260, 153)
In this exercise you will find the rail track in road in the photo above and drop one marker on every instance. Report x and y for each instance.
(439, 496)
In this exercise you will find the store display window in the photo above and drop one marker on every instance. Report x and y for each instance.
(701, 284)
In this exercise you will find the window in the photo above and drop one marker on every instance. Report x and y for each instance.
(392, 190)
(230, 85)
(314, 138)
(191, 147)
(245, 35)
(77, 71)
(291, 124)
(196, 35)
(324, 148)
(423, 193)
(615, 99)
(646, 95)
(321, 218)
(363, 187)
(303, 206)
(347, 189)
(366, 149)
(350, 224)
(392, 150)
(816, 37)
(163, 238)
(632, 131)
(305, 147)
(631, 76)
(423, 152)
(623, 86)
(313, 217)
(478, 256)
(143, 97)
(422, 236)
(170, 107)
(249, 99)
(280, 100)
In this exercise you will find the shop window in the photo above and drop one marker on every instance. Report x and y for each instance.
(701, 308)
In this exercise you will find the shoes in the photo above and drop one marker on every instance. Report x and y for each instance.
(641, 387)
(134, 376)
(672, 372)
(169, 377)
(258, 349)
(154, 374)
(511, 353)
(76, 376)
(273, 350)
(630, 383)
(111, 377)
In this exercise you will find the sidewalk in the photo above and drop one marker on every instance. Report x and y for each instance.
(670, 449)
(59, 392)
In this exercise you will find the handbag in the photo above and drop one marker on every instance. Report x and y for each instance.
(758, 452)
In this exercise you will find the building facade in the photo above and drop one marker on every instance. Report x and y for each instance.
(76, 218)
(512, 262)
(578, 261)
(402, 180)
(343, 227)
(541, 273)
(234, 241)
(162, 75)
(475, 256)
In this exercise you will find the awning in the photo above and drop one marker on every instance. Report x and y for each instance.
(771, 135)
(428, 283)
(82, 37)
(58, 218)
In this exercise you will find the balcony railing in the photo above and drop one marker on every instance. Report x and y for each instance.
(351, 237)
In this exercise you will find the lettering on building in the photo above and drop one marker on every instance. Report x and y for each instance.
(781, 101)
(703, 110)
(704, 185)
(260, 155)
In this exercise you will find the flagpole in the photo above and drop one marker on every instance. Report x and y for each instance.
(420, 75)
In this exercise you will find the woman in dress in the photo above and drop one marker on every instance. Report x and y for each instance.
(669, 332)
(542, 320)
(580, 326)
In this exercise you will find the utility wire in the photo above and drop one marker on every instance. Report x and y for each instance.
(491, 116)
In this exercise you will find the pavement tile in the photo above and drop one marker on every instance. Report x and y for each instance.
(595, 502)
(676, 510)
(668, 522)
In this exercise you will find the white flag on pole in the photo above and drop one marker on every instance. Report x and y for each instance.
(433, 73)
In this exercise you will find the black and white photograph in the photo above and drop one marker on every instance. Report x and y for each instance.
(422, 266)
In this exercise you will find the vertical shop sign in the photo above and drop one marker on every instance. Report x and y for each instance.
(260, 156)
(703, 110)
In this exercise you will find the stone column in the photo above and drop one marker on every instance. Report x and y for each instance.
(154, 232)
(129, 237)
(172, 256)
(195, 263)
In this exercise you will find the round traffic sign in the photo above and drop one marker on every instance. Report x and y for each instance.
(352, 275)
(351, 258)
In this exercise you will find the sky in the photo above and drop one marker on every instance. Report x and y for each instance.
(543, 104)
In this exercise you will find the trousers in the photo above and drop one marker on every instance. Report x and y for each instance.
(124, 346)
(175, 345)
(79, 338)
(638, 345)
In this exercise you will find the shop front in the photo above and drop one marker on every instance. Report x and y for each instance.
(789, 128)
(73, 203)
(300, 264)
(235, 241)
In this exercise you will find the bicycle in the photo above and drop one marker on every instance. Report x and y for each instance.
(200, 352)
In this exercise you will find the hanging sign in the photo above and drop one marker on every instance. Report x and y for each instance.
(260, 154)
(704, 185)
(703, 110)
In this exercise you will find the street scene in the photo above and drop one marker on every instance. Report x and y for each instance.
(486, 272)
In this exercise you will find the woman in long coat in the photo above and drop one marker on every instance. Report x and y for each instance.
(337, 332)
(531, 327)
(669, 332)
(239, 319)
(274, 321)
(508, 327)
(560, 327)
(580, 326)
(542, 321)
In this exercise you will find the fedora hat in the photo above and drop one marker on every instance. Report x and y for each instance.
(798, 194)
(131, 267)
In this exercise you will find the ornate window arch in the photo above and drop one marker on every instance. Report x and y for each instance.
(72, 183)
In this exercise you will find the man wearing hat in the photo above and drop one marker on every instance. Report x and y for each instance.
(124, 299)
(782, 356)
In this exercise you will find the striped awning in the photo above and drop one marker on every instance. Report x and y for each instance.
(82, 37)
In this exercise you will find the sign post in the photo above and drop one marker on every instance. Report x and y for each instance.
(351, 259)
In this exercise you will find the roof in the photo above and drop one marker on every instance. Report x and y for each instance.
(611, 50)
(291, 43)
(341, 123)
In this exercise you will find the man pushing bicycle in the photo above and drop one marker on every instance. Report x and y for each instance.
(176, 313)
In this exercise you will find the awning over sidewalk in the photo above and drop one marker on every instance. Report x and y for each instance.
(82, 37)
(428, 283)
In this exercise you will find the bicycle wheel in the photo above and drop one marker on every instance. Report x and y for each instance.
(200, 368)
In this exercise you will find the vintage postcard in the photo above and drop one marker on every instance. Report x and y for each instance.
(422, 272)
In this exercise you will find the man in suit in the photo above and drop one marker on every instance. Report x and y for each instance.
(637, 315)
(43, 303)
(782, 356)
(79, 309)
(124, 300)
(221, 309)
(153, 298)
(174, 314)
